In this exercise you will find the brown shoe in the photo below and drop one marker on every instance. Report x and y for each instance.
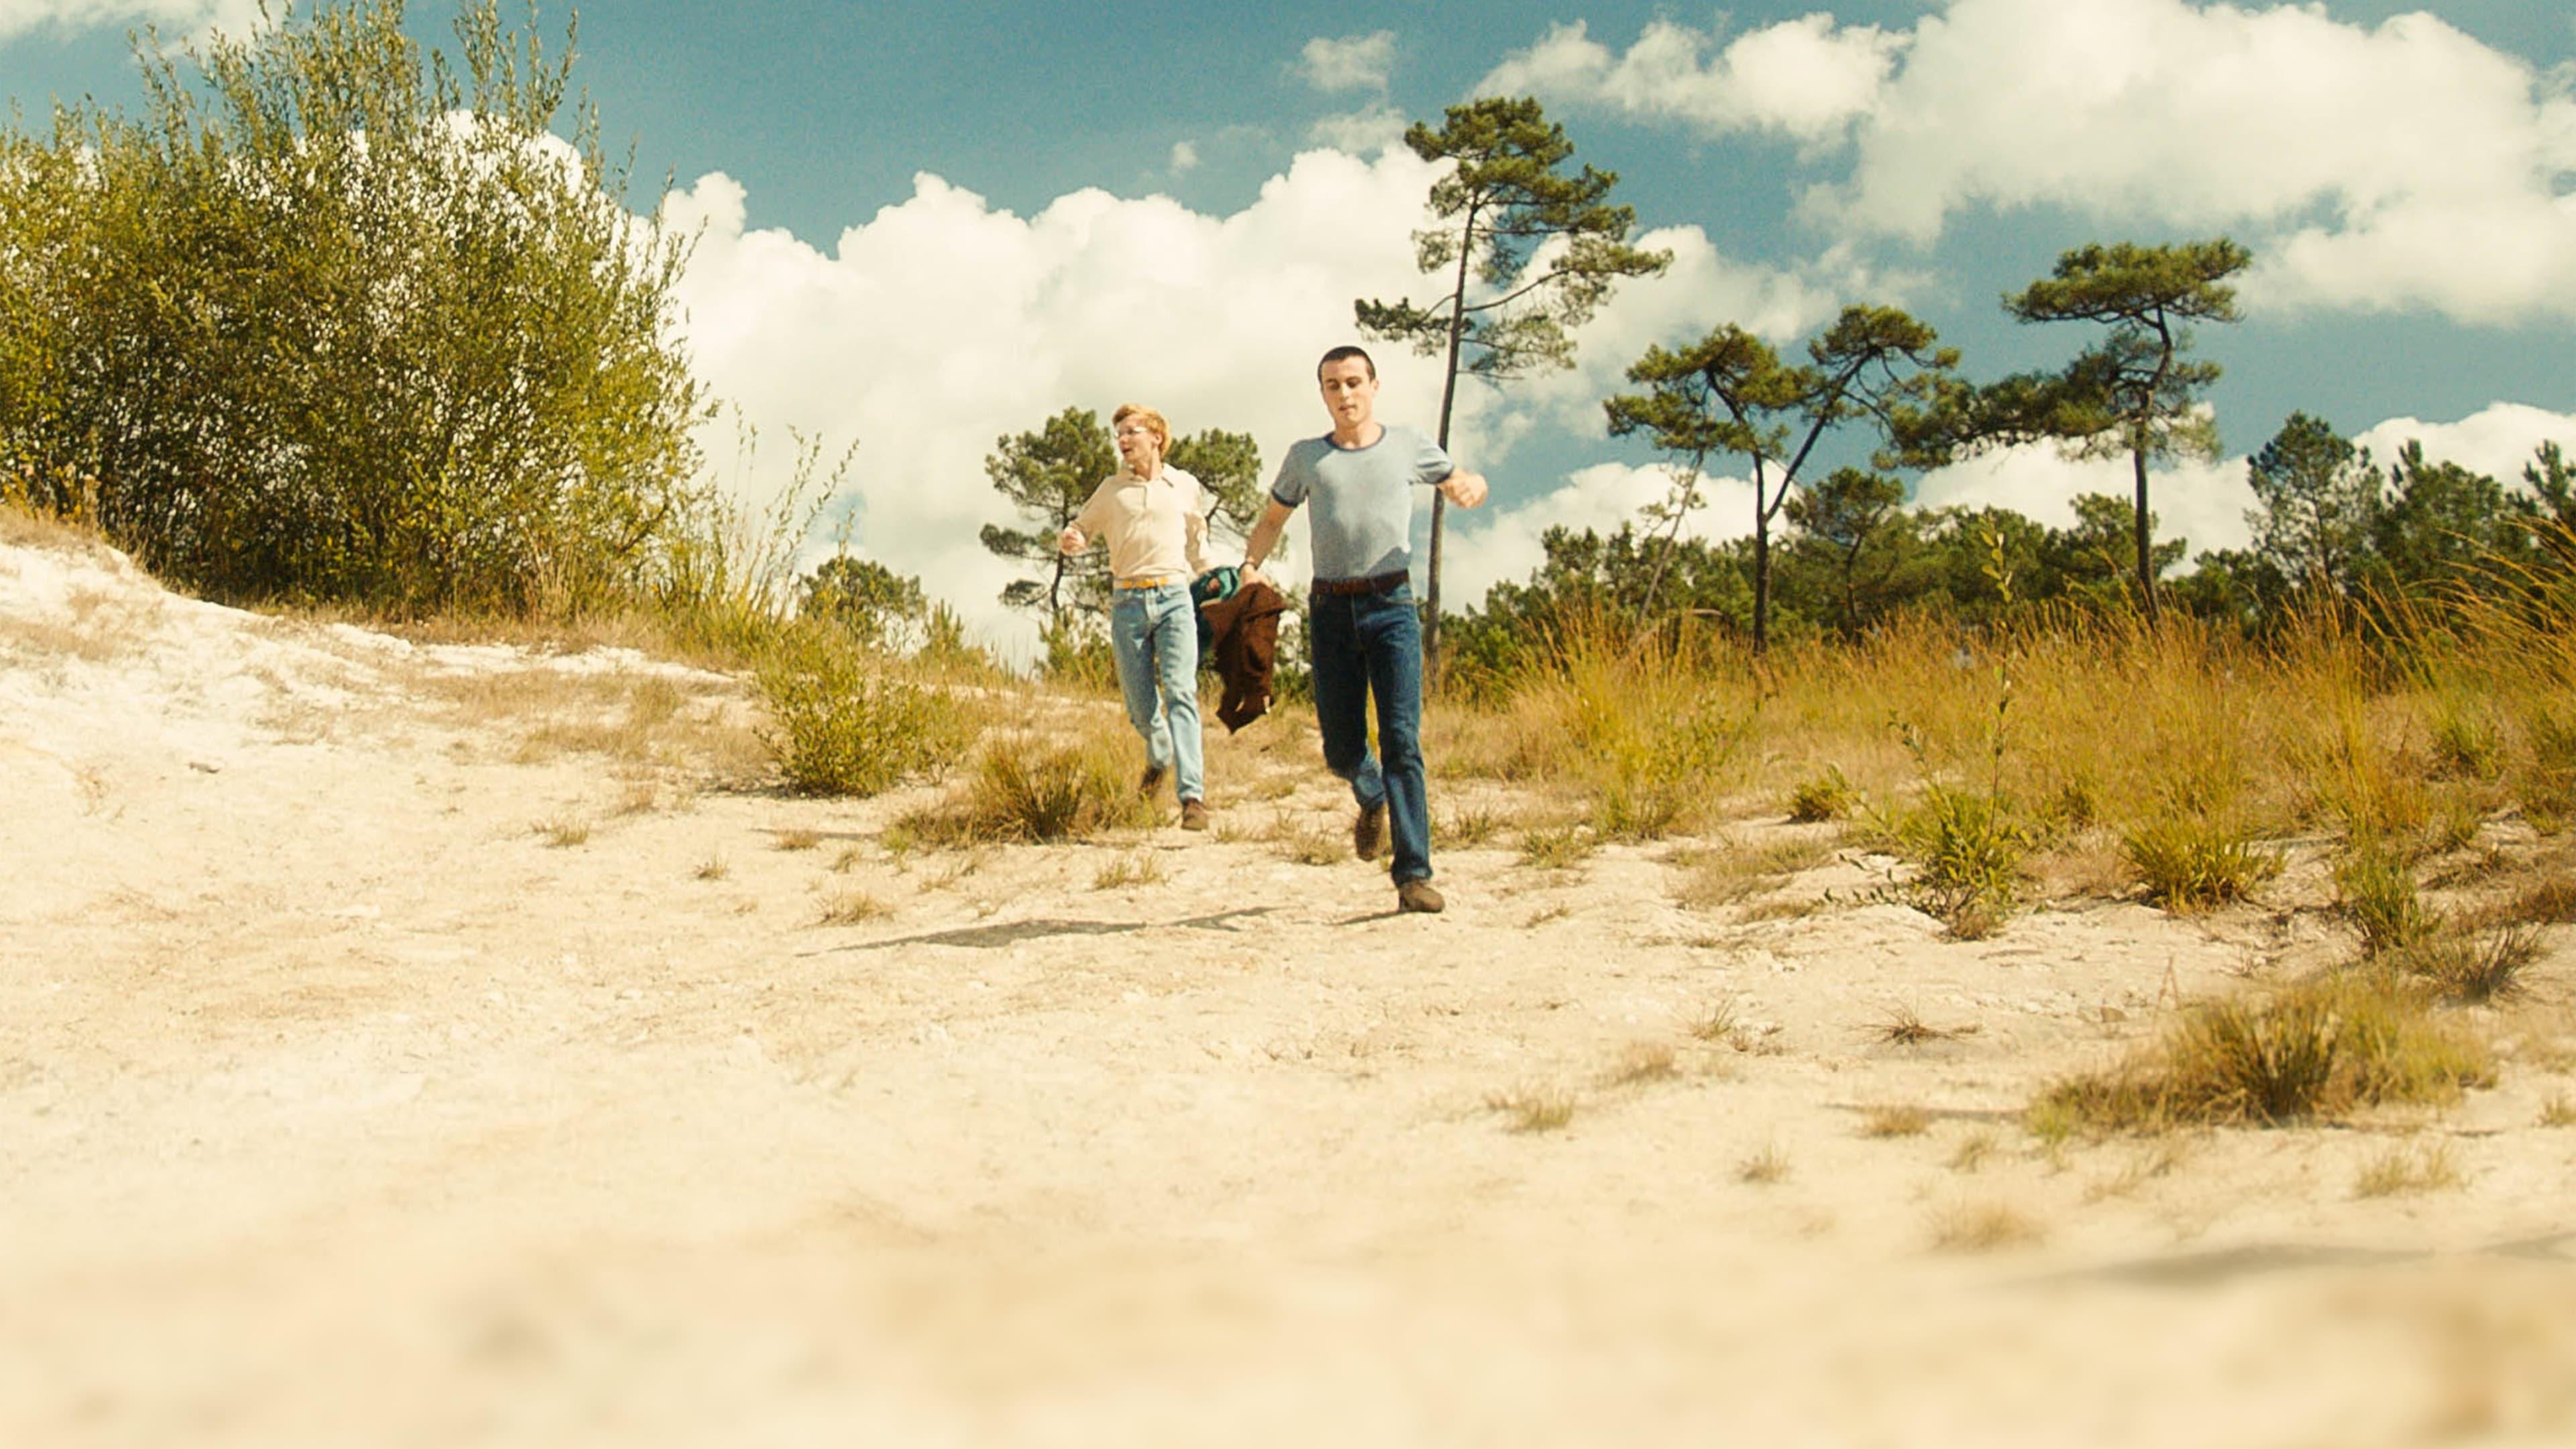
(1418, 895)
(1153, 776)
(1368, 831)
(1193, 815)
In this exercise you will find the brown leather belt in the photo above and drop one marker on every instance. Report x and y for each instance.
(1353, 588)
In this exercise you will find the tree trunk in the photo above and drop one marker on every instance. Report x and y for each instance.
(1761, 568)
(2146, 546)
(1439, 500)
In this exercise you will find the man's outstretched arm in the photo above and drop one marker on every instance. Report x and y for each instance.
(1265, 537)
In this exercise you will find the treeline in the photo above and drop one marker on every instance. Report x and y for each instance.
(335, 318)
(2333, 531)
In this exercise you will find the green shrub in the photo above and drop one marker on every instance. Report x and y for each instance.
(844, 723)
(340, 319)
(1824, 797)
(1968, 848)
(2188, 863)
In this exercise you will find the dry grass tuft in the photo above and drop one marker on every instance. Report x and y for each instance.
(1468, 827)
(1642, 1062)
(1307, 843)
(1560, 848)
(1765, 1167)
(713, 868)
(564, 831)
(2558, 1110)
(851, 908)
(1027, 789)
(2378, 893)
(1895, 1121)
(1903, 1028)
(795, 837)
(1143, 867)
(1973, 1151)
(1720, 1023)
(1983, 1228)
(2399, 1171)
(1534, 1109)
(2190, 864)
(2323, 1048)
(2474, 969)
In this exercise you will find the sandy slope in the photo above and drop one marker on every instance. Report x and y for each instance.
(340, 1104)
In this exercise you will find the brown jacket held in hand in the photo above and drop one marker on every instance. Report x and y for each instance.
(1246, 630)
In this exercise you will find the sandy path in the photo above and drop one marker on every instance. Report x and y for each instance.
(340, 1105)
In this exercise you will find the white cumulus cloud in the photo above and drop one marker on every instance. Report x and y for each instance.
(2402, 166)
(2498, 440)
(1505, 547)
(1350, 63)
(179, 17)
(1807, 78)
(942, 323)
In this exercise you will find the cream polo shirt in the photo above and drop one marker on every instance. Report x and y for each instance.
(1156, 529)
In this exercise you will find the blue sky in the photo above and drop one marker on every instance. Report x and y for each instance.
(923, 225)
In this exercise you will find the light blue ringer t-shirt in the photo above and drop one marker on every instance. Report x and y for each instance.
(1363, 518)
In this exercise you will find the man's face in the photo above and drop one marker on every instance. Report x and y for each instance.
(1350, 393)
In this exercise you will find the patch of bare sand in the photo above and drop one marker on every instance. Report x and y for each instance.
(346, 1099)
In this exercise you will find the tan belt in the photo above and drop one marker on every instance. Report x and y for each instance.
(1152, 583)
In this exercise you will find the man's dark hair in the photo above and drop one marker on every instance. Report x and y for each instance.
(1344, 354)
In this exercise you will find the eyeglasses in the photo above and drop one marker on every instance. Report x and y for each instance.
(1136, 432)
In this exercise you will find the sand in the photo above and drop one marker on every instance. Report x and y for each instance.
(429, 1044)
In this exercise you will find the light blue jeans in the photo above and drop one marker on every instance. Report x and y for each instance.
(1155, 635)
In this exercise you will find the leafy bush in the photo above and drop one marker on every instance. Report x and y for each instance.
(2188, 863)
(329, 322)
(846, 724)
(1968, 848)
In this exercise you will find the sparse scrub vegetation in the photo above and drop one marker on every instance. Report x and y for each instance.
(851, 908)
(2319, 1049)
(1895, 1121)
(1983, 1227)
(1141, 867)
(846, 722)
(1765, 1167)
(2188, 863)
(2475, 968)
(1559, 847)
(1026, 788)
(2403, 1170)
(2378, 894)
(1534, 1109)
(1827, 796)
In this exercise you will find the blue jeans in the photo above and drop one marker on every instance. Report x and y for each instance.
(1363, 645)
(1155, 635)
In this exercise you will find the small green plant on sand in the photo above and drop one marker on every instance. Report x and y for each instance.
(2188, 863)
(1822, 797)
(2378, 893)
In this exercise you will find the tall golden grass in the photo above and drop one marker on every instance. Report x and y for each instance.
(2180, 745)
